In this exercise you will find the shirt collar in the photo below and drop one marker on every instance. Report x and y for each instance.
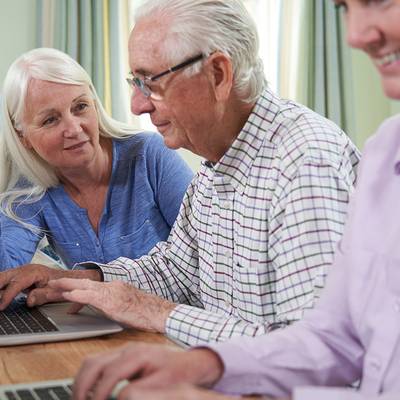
(236, 163)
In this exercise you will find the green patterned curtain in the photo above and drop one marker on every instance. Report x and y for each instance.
(321, 65)
(95, 33)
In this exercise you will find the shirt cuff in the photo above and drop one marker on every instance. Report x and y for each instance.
(191, 325)
(242, 372)
(88, 265)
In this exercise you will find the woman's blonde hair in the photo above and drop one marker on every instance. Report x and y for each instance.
(24, 175)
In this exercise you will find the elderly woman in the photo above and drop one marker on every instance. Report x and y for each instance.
(354, 331)
(94, 187)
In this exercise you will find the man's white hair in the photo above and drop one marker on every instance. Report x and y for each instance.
(204, 26)
(24, 175)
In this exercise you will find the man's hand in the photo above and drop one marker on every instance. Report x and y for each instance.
(180, 392)
(33, 279)
(146, 367)
(119, 301)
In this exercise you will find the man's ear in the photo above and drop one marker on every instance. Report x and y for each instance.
(220, 69)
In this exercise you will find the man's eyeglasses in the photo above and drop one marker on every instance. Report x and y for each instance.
(142, 83)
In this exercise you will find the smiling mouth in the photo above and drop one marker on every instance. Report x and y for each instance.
(76, 146)
(388, 58)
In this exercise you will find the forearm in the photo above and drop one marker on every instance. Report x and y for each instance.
(92, 274)
(153, 314)
(119, 301)
(321, 350)
(202, 367)
(157, 273)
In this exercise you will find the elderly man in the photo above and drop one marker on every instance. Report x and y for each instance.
(257, 229)
(353, 332)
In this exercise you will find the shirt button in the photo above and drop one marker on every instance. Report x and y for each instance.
(227, 304)
(375, 364)
(226, 205)
(77, 244)
(227, 254)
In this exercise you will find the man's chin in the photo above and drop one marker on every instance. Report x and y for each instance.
(171, 143)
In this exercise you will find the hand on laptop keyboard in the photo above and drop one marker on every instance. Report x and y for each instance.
(119, 301)
(19, 319)
(33, 279)
(149, 371)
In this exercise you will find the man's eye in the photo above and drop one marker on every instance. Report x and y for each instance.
(153, 87)
(341, 5)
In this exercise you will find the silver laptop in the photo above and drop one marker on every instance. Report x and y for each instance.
(50, 323)
(46, 390)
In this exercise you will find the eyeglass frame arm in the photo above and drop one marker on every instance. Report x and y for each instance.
(177, 67)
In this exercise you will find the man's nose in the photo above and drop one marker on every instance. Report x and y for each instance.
(140, 104)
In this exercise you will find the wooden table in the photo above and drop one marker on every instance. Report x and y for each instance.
(38, 362)
(59, 360)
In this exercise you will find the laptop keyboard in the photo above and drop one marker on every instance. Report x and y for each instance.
(61, 392)
(19, 318)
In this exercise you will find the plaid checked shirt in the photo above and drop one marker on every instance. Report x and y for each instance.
(256, 233)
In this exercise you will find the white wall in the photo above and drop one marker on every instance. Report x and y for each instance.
(17, 31)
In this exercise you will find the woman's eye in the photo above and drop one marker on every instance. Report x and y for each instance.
(81, 107)
(49, 121)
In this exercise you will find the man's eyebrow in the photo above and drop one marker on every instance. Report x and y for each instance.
(141, 72)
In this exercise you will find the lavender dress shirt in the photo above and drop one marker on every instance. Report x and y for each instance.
(354, 331)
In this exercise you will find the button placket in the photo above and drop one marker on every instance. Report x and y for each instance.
(375, 364)
(224, 230)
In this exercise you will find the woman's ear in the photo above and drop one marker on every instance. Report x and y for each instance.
(24, 140)
(220, 68)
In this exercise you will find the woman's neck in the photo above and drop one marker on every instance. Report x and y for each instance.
(95, 175)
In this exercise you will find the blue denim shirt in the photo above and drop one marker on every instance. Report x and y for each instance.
(147, 185)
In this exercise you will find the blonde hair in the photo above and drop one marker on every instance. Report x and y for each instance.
(24, 175)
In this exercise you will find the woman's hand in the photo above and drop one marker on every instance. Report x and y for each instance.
(33, 279)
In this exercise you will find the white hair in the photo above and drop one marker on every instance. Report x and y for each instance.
(205, 26)
(24, 175)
